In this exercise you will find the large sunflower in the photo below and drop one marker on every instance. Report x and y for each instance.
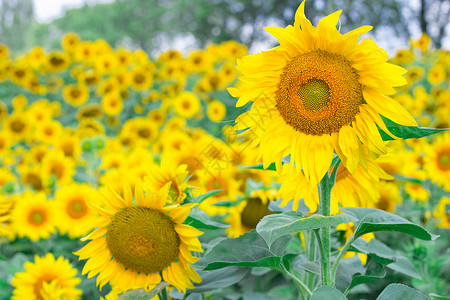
(317, 93)
(138, 240)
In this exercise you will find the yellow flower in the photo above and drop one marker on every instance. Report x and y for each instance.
(19, 102)
(75, 94)
(17, 126)
(4, 52)
(57, 62)
(33, 216)
(423, 43)
(56, 166)
(389, 196)
(216, 111)
(112, 104)
(135, 241)
(247, 214)
(46, 277)
(70, 42)
(49, 131)
(140, 79)
(442, 213)
(72, 214)
(436, 75)
(187, 105)
(167, 172)
(403, 57)
(317, 93)
(437, 160)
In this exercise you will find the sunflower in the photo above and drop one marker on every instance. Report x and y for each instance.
(112, 104)
(4, 51)
(17, 126)
(247, 214)
(442, 214)
(187, 105)
(389, 196)
(46, 278)
(49, 131)
(5, 143)
(436, 74)
(6, 207)
(19, 103)
(33, 216)
(437, 161)
(70, 42)
(57, 61)
(317, 93)
(140, 79)
(216, 111)
(72, 215)
(75, 94)
(57, 167)
(167, 172)
(138, 240)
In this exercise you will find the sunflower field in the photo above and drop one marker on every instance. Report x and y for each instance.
(300, 172)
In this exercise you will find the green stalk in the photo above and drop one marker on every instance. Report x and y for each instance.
(311, 255)
(324, 187)
(338, 259)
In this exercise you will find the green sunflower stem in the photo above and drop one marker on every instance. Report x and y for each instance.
(324, 187)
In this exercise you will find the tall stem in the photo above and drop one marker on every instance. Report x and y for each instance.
(311, 256)
(325, 209)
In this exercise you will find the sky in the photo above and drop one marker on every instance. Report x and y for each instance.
(48, 10)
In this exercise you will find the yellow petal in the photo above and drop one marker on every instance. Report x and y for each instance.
(349, 145)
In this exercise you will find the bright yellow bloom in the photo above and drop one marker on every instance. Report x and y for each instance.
(135, 241)
(216, 111)
(72, 214)
(33, 216)
(47, 278)
(75, 94)
(317, 93)
(436, 75)
(187, 105)
(437, 160)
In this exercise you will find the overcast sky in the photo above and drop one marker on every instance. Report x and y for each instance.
(47, 10)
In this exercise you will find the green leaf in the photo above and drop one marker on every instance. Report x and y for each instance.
(438, 296)
(201, 198)
(273, 226)
(248, 250)
(272, 167)
(373, 272)
(261, 167)
(385, 255)
(372, 220)
(396, 291)
(201, 220)
(218, 279)
(407, 132)
(327, 292)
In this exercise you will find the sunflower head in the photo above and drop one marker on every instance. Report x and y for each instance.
(138, 238)
(320, 92)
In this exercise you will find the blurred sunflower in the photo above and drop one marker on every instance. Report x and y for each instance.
(57, 61)
(33, 216)
(70, 42)
(442, 213)
(17, 125)
(75, 94)
(72, 214)
(216, 111)
(112, 104)
(319, 92)
(436, 74)
(187, 105)
(138, 241)
(247, 214)
(46, 278)
(168, 171)
(437, 160)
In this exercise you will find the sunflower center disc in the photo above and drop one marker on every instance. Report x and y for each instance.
(444, 160)
(319, 92)
(143, 239)
(253, 212)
